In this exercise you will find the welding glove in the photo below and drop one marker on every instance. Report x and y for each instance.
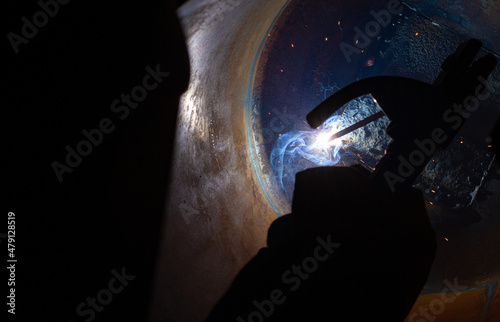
(346, 252)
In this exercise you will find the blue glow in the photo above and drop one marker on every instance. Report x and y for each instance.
(248, 116)
(298, 150)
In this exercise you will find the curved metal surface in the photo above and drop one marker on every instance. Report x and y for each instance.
(218, 213)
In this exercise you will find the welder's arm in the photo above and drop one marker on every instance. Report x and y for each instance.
(345, 253)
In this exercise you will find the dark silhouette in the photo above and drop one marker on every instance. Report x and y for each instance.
(359, 246)
(374, 258)
(424, 118)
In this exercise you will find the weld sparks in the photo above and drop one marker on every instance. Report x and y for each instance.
(298, 150)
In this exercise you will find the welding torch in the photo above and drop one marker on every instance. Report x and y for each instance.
(424, 118)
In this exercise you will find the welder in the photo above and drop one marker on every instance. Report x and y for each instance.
(360, 244)
(381, 254)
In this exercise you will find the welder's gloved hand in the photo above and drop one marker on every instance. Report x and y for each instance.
(342, 202)
(387, 243)
(345, 253)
